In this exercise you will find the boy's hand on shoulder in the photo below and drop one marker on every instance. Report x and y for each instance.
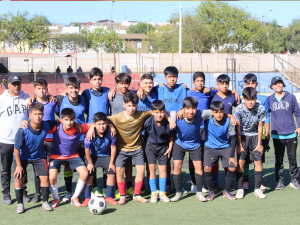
(172, 124)
(111, 94)
(206, 90)
(184, 85)
(18, 172)
(168, 152)
(233, 160)
(232, 118)
(112, 130)
(31, 99)
(179, 115)
(51, 98)
(64, 93)
(91, 133)
(140, 93)
(90, 167)
(112, 166)
(237, 96)
(162, 84)
(192, 89)
(24, 124)
(78, 127)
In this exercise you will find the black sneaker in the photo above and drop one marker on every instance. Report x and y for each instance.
(36, 198)
(7, 200)
(168, 189)
(279, 185)
(25, 197)
(295, 184)
(216, 186)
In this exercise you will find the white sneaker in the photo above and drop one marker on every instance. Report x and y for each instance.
(67, 197)
(240, 194)
(259, 194)
(204, 190)
(193, 188)
(262, 187)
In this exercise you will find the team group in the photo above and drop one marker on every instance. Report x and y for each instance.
(151, 125)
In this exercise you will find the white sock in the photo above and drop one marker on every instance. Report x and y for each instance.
(79, 187)
(54, 191)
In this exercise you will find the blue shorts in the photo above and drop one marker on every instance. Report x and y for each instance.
(73, 163)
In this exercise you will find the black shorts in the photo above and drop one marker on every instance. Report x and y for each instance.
(102, 162)
(249, 143)
(211, 156)
(73, 163)
(47, 146)
(179, 153)
(202, 134)
(81, 150)
(137, 157)
(156, 152)
(40, 167)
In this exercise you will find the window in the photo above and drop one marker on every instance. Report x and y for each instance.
(7, 45)
(138, 44)
(38, 45)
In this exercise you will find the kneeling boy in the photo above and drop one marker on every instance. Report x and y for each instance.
(160, 139)
(29, 149)
(250, 117)
(217, 127)
(101, 152)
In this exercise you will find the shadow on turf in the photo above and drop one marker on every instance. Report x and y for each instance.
(108, 211)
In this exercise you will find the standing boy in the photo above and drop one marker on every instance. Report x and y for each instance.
(250, 117)
(29, 149)
(283, 107)
(160, 139)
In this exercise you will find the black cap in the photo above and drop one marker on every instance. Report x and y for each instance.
(14, 78)
(275, 79)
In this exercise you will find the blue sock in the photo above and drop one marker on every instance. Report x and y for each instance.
(215, 178)
(87, 191)
(162, 184)
(153, 185)
(109, 191)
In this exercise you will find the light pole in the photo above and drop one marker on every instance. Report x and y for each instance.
(264, 18)
(112, 6)
(180, 29)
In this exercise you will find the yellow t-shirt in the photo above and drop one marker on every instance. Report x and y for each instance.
(129, 130)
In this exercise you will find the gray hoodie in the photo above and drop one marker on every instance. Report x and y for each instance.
(13, 110)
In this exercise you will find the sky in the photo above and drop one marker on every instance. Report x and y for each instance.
(64, 12)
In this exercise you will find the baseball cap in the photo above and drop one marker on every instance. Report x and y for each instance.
(13, 78)
(275, 79)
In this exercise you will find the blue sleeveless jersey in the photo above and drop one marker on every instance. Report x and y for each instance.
(217, 136)
(172, 100)
(146, 104)
(97, 104)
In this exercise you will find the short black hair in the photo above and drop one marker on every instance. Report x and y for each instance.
(67, 112)
(250, 77)
(36, 106)
(40, 82)
(73, 81)
(131, 97)
(249, 93)
(189, 102)
(123, 77)
(223, 78)
(147, 76)
(171, 70)
(198, 74)
(99, 116)
(217, 105)
(158, 105)
(95, 72)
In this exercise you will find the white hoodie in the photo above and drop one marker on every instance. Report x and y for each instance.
(13, 110)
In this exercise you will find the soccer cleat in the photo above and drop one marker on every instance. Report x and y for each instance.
(46, 206)
(86, 202)
(7, 200)
(55, 203)
(130, 191)
(143, 191)
(36, 198)
(75, 202)
(163, 197)
(200, 197)
(122, 200)
(96, 192)
(204, 190)
(104, 191)
(154, 197)
(216, 186)
(168, 189)
(139, 198)
(184, 191)
(20, 208)
(245, 185)
(227, 194)
(110, 200)
(295, 184)
(262, 187)
(211, 195)
(25, 197)
(67, 197)
(258, 193)
(193, 188)
(279, 185)
(177, 197)
(117, 194)
(240, 194)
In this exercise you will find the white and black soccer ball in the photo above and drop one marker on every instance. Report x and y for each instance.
(97, 205)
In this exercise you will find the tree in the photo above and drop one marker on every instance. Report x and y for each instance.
(275, 41)
(140, 28)
(24, 31)
(292, 36)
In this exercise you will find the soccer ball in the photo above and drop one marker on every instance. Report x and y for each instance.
(97, 205)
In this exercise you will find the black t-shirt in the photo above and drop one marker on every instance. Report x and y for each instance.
(157, 134)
